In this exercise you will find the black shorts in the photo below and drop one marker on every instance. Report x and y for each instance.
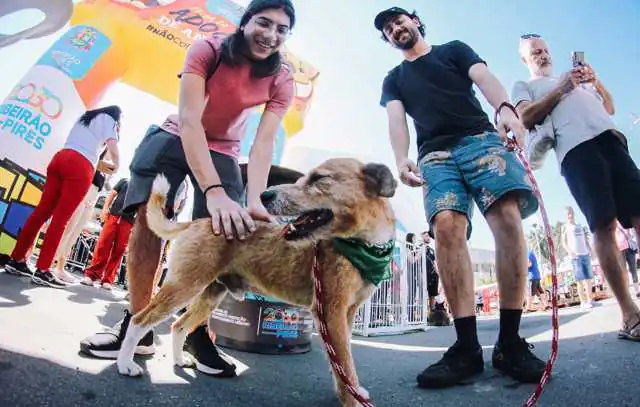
(604, 180)
(536, 288)
(161, 152)
(433, 280)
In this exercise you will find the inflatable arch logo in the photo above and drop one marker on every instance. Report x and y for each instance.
(139, 42)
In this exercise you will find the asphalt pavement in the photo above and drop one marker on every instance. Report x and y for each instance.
(40, 331)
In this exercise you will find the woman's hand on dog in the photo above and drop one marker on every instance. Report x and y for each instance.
(259, 212)
(226, 215)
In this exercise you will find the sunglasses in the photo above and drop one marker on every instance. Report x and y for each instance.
(528, 36)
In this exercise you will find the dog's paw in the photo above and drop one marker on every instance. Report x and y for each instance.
(183, 359)
(129, 368)
(364, 392)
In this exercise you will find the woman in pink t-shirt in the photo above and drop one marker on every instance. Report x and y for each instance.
(221, 82)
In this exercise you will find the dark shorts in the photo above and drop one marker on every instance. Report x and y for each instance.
(433, 281)
(478, 168)
(604, 180)
(536, 288)
(161, 152)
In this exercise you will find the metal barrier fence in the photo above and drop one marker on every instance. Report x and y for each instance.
(82, 251)
(400, 304)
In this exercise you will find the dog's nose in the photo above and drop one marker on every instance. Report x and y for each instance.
(267, 196)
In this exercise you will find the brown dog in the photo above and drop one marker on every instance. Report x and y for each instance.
(342, 198)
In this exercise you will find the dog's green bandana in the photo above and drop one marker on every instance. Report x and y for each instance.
(372, 260)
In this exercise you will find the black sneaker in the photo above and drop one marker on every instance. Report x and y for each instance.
(456, 365)
(18, 268)
(47, 279)
(517, 361)
(208, 358)
(106, 345)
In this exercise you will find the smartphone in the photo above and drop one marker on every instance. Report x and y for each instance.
(577, 57)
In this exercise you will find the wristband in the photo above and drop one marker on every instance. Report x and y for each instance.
(504, 104)
(210, 187)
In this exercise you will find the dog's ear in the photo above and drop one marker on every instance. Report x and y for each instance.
(379, 180)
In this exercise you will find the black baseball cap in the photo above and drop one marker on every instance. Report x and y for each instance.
(385, 15)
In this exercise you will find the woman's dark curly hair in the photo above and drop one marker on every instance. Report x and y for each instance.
(114, 111)
(234, 45)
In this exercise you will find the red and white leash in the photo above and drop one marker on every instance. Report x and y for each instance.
(335, 361)
(512, 145)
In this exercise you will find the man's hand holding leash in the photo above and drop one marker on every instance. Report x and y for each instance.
(409, 173)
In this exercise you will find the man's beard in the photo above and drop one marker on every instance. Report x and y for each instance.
(546, 70)
(410, 43)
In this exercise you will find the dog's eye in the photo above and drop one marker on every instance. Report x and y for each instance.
(315, 177)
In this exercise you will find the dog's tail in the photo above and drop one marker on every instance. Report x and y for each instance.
(156, 218)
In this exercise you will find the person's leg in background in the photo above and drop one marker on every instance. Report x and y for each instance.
(588, 282)
(122, 275)
(632, 265)
(123, 231)
(102, 253)
(529, 293)
(608, 254)
(542, 296)
(76, 173)
(578, 274)
(43, 211)
(74, 228)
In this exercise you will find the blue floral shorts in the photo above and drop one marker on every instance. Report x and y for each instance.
(477, 168)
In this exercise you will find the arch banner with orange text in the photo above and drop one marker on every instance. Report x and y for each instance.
(141, 43)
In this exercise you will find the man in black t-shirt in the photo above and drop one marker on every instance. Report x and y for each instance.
(113, 239)
(461, 159)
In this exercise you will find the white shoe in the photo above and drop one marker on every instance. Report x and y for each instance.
(107, 286)
(65, 276)
(586, 305)
(87, 281)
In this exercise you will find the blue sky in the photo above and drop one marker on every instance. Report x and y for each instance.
(339, 39)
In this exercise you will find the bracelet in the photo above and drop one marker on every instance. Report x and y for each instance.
(504, 104)
(210, 187)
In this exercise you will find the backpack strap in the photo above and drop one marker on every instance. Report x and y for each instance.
(211, 69)
(213, 66)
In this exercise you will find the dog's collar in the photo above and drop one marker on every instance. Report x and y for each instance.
(371, 259)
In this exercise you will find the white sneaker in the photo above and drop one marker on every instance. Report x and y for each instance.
(586, 305)
(65, 276)
(107, 286)
(87, 281)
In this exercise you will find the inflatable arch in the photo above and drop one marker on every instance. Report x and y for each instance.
(139, 42)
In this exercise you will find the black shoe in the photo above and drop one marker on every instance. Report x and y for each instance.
(517, 361)
(456, 365)
(106, 345)
(208, 358)
(47, 279)
(18, 268)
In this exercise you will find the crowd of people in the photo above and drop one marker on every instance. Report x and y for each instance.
(462, 158)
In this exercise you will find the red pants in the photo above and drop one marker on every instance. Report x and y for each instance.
(69, 177)
(111, 246)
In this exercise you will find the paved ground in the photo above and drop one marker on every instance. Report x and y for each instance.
(40, 366)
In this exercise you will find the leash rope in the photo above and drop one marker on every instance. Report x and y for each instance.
(335, 361)
(513, 146)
